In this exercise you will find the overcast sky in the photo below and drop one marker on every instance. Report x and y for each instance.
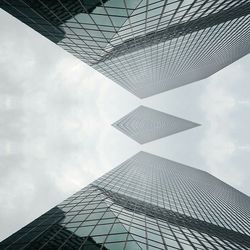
(55, 124)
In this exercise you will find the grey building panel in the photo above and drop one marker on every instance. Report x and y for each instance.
(145, 124)
(147, 202)
(147, 47)
(177, 30)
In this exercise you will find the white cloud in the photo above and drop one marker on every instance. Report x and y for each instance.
(219, 145)
(54, 125)
(245, 147)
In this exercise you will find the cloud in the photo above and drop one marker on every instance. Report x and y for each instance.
(221, 101)
(50, 124)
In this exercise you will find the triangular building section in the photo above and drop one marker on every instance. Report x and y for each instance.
(145, 124)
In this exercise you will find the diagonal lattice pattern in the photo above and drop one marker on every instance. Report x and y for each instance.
(145, 124)
(147, 47)
(147, 202)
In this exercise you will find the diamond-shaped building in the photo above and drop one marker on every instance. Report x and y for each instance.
(145, 124)
(147, 202)
(145, 46)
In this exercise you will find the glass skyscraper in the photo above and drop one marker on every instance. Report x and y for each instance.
(147, 202)
(146, 46)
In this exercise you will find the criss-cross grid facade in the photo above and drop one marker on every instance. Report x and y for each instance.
(146, 46)
(147, 202)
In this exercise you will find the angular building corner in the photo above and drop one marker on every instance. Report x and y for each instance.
(147, 202)
(145, 124)
(147, 47)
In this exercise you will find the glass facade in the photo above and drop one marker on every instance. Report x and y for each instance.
(145, 124)
(146, 46)
(147, 202)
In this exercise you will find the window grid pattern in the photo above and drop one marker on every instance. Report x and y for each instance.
(146, 46)
(147, 202)
(144, 176)
(145, 124)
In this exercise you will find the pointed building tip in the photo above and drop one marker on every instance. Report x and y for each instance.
(141, 143)
(142, 152)
(197, 124)
(145, 152)
(166, 160)
(141, 97)
(145, 124)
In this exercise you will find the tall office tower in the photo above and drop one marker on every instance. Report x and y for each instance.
(146, 46)
(147, 202)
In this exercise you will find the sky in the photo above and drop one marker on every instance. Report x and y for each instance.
(55, 125)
